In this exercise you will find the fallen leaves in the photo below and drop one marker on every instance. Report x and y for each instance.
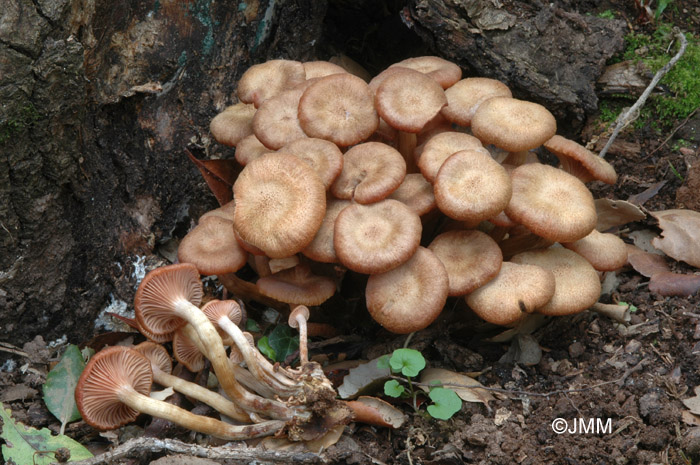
(680, 237)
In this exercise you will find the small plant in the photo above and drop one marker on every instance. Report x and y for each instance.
(607, 14)
(409, 363)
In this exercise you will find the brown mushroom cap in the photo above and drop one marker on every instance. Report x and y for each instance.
(320, 68)
(321, 247)
(297, 285)
(416, 192)
(471, 259)
(233, 124)
(371, 171)
(409, 297)
(512, 124)
(517, 290)
(409, 99)
(108, 372)
(438, 148)
(551, 203)
(225, 211)
(338, 108)
(606, 252)
(577, 285)
(276, 122)
(444, 72)
(215, 309)
(580, 162)
(377, 237)
(465, 96)
(265, 80)
(299, 311)
(280, 204)
(161, 290)
(471, 186)
(187, 352)
(157, 355)
(324, 156)
(212, 247)
(249, 148)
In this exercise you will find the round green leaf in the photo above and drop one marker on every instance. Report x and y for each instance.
(408, 362)
(446, 403)
(392, 388)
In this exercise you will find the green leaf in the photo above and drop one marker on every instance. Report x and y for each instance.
(26, 445)
(252, 326)
(59, 388)
(264, 347)
(383, 362)
(284, 341)
(392, 388)
(408, 362)
(446, 403)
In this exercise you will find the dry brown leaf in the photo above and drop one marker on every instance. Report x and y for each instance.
(645, 263)
(613, 213)
(693, 403)
(680, 236)
(374, 411)
(219, 176)
(324, 442)
(674, 284)
(459, 383)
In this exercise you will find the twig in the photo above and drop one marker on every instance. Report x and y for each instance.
(675, 130)
(633, 112)
(5, 347)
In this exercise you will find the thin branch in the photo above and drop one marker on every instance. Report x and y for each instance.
(633, 112)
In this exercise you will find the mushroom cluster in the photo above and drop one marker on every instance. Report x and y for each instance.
(422, 179)
(258, 398)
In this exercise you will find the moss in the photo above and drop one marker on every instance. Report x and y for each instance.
(23, 119)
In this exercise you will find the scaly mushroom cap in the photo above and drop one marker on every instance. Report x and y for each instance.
(280, 204)
(276, 122)
(416, 192)
(577, 285)
(157, 355)
(321, 248)
(297, 285)
(409, 99)
(323, 156)
(444, 72)
(472, 187)
(377, 237)
(371, 171)
(465, 96)
(338, 108)
(409, 297)
(606, 252)
(551, 203)
(233, 124)
(581, 162)
(471, 259)
(109, 372)
(212, 247)
(265, 80)
(513, 125)
(159, 292)
(516, 291)
(439, 148)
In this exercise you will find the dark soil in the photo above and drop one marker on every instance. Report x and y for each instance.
(592, 368)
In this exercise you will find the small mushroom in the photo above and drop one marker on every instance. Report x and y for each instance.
(444, 72)
(465, 96)
(265, 80)
(579, 161)
(212, 247)
(233, 124)
(297, 319)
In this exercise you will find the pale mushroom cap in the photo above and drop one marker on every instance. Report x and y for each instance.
(106, 374)
(225, 211)
(409, 297)
(215, 309)
(338, 108)
(377, 237)
(159, 292)
(416, 192)
(512, 124)
(321, 247)
(444, 72)
(605, 251)
(465, 96)
(212, 247)
(156, 354)
(318, 69)
(371, 171)
(471, 186)
(516, 291)
(577, 285)
(323, 156)
(248, 149)
(276, 122)
(438, 148)
(280, 204)
(581, 162)
(408, 99)
(299, 310)
(265, 80)
(471, 259)
(233, 124)
(551, 203)
(297, 285)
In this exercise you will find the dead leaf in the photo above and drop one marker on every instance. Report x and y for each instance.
(523, 349)
(219, 175)
(18, 392)
(375, 411)
(366, 377)
(645, 263)
(324, 442)
(613, 213)
(162, 395)
(693, 403)
(642, 238)
(666, 283)
(690, 419)
(639, 199)
(463, 385)
(680, 235)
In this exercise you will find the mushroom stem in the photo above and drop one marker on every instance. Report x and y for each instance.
(297, 319)
(619, 313)
(406, 146)
(206, 425)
